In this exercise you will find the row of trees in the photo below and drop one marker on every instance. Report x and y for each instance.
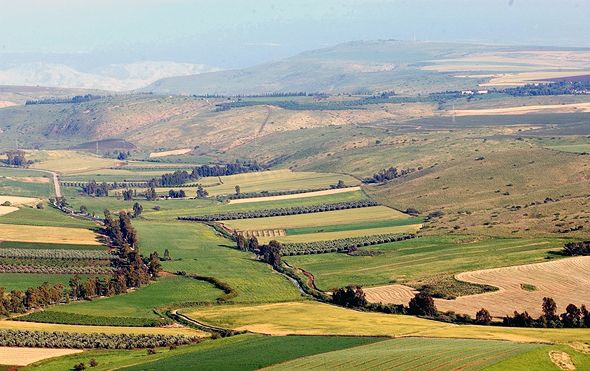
(577, 248)
(227, 169)
(282, 211)
(572, 317)
(348, 244)
(92, 188)
(554, 88)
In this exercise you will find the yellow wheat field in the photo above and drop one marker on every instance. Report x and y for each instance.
(30, 233)
(552, 108)
(15, 200)
(566, 281)
(170, 153)
(298, 195)
(23, 356)
(7, 209)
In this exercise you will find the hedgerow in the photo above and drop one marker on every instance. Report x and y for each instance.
(83, 319)
(47, 269)
(340, 245)
(75, 340)
(230, 292)
(282, 211)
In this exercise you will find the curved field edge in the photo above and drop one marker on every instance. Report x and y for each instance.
(246, 352)
(309, 318)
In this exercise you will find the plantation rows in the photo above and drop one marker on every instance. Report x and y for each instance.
(282, 211)
(44, 269)
(83, 319)
(56, 254)
(243, 195)
(340, 245)
(54, 262)
(41, 339)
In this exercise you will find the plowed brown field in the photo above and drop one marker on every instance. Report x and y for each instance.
(566, 281)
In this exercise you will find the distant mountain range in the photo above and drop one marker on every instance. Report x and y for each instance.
(114, 77)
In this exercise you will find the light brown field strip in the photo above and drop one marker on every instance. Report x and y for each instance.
(556, 108)
(15, 200)
(170, 153)
(297, 195)
(567, 281)
(30, 233)
(7, 210)
(23, 356)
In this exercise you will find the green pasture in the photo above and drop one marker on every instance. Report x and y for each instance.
(22, 281)
(345, 216)
(48, 216)
(418, 260)
(174, 208)
(247, 352)
(538, 359)
(196, 248)
(69, 162)
(414, 354)
(30, 188)
(353, 226)
(140, 303)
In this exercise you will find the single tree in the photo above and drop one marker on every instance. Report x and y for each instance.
(238, 190)
(483, 317)
(422, 304)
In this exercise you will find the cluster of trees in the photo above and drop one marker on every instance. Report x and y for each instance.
(95, 340)
(270, 254)
(554, 88)
(202, 192)
(17, 301)
(342, 244)
(76, 99)
(387, 174)
(351, 296)
(150, 193)
(572, 317)
(282, 211)
(94, 189)
(577, 248)
(176, 194)
(169, 179)
(227, 169)
(16, 158)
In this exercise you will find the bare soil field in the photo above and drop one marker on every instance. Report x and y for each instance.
(298, 195)
(23, 356)
(7, 209)
(566, 281)
(515, 79)
(15, 200)
(170, 153)
(29, 233)
(553, 108)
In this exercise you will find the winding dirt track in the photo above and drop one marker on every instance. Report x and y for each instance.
(566, 281)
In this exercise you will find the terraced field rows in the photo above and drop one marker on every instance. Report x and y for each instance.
(412, 354)
(566, 281)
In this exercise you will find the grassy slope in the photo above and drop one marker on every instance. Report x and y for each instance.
(421, 259)
(204, 252)
(412, 353)
(538, 359)
(16, 187)
(140, 303)
(240, 353)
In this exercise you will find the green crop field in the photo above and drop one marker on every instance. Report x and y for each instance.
(69, 162)
(196, 248)
(140, 303)
(274, 180)
(30, 185)
(309, 318)
(240, 353)
(22, 281)
(346, 216)
(413, 354)
(353, 226)
(48, 216)
(419, 260)
(538, 359)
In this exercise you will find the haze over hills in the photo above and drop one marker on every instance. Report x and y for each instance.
(113, 77)
(373, 66)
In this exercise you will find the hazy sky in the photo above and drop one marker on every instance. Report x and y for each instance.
(236, 33)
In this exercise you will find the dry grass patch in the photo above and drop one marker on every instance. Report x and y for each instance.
(7, 209)
(562, 360)
(298, 195)
(529, 77)
(16, 200)
(30, 233)
(566, 281)
(310, 318)
(550, 108)
(23, 356)
(170, 153)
